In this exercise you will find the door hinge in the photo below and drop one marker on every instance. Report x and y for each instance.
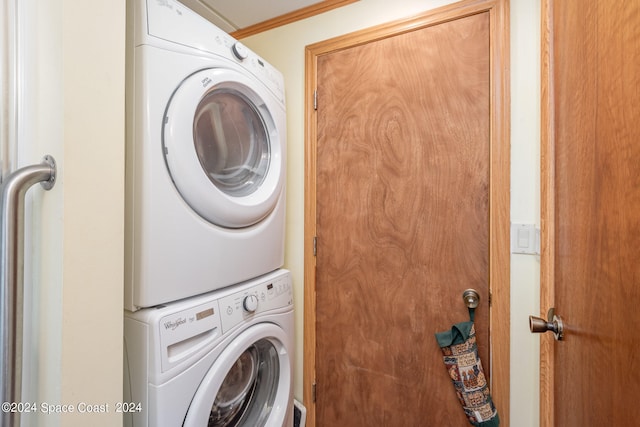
(313, 392)
(315, 245)
(489, 299)
(315, 99)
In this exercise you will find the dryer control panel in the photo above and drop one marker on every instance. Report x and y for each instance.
(243, 305)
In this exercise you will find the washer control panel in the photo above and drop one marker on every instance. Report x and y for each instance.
(250, 303)
(184, 333)
(187, 328)
(266, 296)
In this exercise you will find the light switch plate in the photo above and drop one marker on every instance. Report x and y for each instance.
(525, 239)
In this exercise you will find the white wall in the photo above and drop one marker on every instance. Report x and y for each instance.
(93, 40)
(284, 48)
(40, 132)
(525, 208)
(73, 108)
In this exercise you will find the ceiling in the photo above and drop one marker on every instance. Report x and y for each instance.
(235, 16)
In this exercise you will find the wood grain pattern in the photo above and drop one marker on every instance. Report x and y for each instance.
(403, 220)
(596, 208)
(499, 182)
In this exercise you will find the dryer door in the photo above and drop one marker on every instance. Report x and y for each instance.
(224, 148)
(249, 384)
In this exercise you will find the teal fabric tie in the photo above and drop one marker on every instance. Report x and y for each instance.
(458, 334)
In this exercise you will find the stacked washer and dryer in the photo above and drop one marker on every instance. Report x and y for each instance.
(208, 310)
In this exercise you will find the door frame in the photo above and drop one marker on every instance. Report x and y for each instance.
(547, 211)
(499, 203)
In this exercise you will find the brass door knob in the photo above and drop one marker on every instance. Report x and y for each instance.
(471, 298)
(554, 324)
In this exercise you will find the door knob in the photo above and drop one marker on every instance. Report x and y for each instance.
(553, 323)
(471, 298)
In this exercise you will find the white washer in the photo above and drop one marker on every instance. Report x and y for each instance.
(205, 163)
(221, 359)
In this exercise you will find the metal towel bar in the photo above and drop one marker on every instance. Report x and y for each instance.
(14, 189)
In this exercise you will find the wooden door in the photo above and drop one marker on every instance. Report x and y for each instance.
(403, 194)
(591, 176)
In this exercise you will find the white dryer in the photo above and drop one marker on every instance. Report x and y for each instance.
(224, 359)
(205, 159)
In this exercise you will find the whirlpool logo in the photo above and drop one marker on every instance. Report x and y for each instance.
(174, 324)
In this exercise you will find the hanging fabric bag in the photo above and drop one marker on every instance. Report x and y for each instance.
(460, 354)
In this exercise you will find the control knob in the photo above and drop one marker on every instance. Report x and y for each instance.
(240, 51)
(250, 303)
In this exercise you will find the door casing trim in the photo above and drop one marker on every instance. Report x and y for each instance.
(547, 211)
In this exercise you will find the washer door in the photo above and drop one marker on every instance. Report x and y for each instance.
(249, 384)
(222, 147)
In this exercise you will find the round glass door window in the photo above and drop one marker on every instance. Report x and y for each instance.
(223, 144)
(231, 142)
(248, 391)
(247, 385)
